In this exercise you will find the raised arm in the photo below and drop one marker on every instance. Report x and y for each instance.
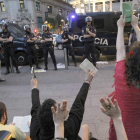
(121, 52)
(134, 23)
(115, 113)
(35, 106)
(75, 118)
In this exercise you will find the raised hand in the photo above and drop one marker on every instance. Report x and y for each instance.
(109, 109)
(121, 21)
(134, 20)
(60, 114)
(89, 75)
(34, 83)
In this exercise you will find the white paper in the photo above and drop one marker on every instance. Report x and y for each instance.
(41, 70)
(102, 62)
(22, 122)
(17, 121)
(24, 125)
(60, 66)
(86, 65)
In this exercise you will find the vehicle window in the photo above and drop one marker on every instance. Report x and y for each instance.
(81, 23)
(127, 25)
(99, 23)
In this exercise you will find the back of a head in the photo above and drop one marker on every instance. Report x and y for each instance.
(2, 109)
(132, 73)
(45, 115)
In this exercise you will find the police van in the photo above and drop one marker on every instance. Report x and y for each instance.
(19, 46)
(106, 27)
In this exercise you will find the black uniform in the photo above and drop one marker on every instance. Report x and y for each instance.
(47, 47)
(68, 44)
(89, 43)
(8, 50)
(31, 50)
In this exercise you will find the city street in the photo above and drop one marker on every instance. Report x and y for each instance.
(60, 85)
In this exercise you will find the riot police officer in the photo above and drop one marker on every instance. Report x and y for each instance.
(67, 39)
(47, 46)
(6, 39)
(89, 34)
(29, 40)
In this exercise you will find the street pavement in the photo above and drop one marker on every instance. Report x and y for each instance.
(60, 85)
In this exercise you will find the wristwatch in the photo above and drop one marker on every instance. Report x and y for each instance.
(59, 138)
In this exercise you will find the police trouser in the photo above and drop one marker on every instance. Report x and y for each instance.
(69, 47)
(8, 51)
(31, 51)
(49, 49)
(90, 48)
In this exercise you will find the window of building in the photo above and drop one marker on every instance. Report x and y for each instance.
(116, 1)
(37, 6)
(49, 9)
(99, 23)
(107, 6)
(60, 11)
(39, 19)
(91, 7)
(125, 0)
(2, 7)
(99, 7)
(68, 12)
(21, 2)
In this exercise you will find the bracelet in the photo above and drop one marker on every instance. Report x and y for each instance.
(87, 81)
(59, 138)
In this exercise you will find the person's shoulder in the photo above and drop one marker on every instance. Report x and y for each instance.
(10, 32)
(10, 128)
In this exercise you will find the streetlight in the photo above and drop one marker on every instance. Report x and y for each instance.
(63, 21)
(45, 22)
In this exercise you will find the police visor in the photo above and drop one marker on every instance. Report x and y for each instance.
(26, 27)
(45, 28)
(88, 19)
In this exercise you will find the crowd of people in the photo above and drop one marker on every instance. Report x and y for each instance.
(51, 120)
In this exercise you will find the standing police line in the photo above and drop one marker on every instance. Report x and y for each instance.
(6, 41)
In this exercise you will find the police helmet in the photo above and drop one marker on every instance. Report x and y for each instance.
(65, 28)
(4, 23)
(88, 19)
(26, 27)
(45, 27)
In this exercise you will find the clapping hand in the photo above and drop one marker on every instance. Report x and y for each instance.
(134, 20)
(60, 114)
(109, 109)
(121, 21)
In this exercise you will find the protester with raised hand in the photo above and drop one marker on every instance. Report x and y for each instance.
(127, 82)
(113, 111)
(59, 116)
(42, 124)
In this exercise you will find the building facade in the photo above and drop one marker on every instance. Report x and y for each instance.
(33, 12)
(83, 6)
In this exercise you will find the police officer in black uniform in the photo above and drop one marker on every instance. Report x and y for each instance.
(6, 39)
(89, 34)
(29, 40)
(67, 39)
(46, 41)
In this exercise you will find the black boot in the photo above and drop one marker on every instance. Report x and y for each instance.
(46, 68)
(55, 67)
(17, 70)
(7, 72)
(75, 64)
(38, 67)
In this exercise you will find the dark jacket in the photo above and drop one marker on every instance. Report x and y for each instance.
(47, 35)
(71, 125)
(65, 36)
(28, 36)
(90, 39)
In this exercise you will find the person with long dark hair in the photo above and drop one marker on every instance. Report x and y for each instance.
(127, 83)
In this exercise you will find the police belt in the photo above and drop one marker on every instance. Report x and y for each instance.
(65, 45)
(9, 45)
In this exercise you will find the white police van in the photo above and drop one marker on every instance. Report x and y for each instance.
(106, 27)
